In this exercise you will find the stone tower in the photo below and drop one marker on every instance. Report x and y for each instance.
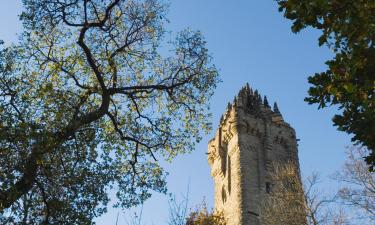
(251, 136)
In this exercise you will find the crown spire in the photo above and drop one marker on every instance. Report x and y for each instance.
(251, 101)
(276, 108)
(265, 102)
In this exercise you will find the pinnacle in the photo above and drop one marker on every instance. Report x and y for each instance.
(265, 102)
(276, 108)
(229, 106)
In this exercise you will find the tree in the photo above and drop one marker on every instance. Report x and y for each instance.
(179, 213)
(357, 185)
(349, 30)
(201, 216)
(284, 204)
(178, 210)
(292, 203)
(89, 103)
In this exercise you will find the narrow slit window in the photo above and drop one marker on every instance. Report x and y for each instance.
(268, 187)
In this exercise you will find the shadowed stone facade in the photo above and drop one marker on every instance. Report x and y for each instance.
(250, 138)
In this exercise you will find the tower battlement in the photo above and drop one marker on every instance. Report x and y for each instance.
(251, 137)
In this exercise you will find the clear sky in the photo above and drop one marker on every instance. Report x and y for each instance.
(250, 42)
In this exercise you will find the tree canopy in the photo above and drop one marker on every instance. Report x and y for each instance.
(348, 28)
(90, 98)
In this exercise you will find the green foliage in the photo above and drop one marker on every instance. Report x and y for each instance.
(203, 217)
(89, 104)
(348, 28)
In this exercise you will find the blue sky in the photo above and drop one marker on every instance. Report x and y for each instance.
(250, 41)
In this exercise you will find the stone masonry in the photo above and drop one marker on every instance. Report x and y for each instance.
(250, 138)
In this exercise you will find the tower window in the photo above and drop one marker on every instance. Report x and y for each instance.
(223, 195)
(268, 187)
(224, 155)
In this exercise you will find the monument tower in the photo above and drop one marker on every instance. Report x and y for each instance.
(250, 138)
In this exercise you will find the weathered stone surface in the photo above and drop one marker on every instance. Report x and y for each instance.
(250, 138)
